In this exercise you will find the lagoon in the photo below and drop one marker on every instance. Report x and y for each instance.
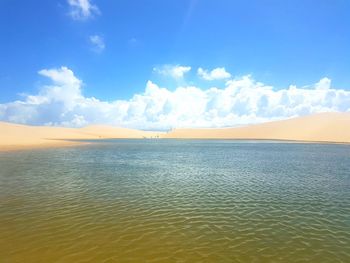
(176, 201)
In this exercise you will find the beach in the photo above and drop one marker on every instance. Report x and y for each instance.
(323, 127)
(15, 136)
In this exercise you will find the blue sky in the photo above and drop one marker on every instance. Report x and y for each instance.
(116, 47)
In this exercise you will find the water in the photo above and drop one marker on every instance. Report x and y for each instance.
(176, 201)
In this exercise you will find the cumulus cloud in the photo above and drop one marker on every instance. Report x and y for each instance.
(98, 43)
(240, 101)
(215, 74)
(82, 9)
(174, 71)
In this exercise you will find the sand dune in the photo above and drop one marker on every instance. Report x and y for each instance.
(14, 136)
(323, 127)
(103, 131)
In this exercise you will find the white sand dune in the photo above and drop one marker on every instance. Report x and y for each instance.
(324, 127)
(15, 136)
(103, 131)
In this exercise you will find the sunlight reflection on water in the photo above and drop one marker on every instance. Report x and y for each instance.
(176, 201)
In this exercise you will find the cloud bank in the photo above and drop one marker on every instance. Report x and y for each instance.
(240, 101)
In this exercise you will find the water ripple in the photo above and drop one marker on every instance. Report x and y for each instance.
(176, 201)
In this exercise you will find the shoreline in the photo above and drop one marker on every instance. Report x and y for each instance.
(322, 128)
(70, 143)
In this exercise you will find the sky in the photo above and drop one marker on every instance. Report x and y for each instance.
(155, 64)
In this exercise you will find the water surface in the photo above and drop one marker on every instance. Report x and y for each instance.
(176, 201)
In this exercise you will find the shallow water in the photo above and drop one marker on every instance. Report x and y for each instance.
(176, 201)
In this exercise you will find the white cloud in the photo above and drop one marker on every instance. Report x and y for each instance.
(215, 74)
(82, 9)
(174, 71)
(98, 43)
(240, 101)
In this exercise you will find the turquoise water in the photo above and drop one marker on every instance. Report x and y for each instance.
(176, 201)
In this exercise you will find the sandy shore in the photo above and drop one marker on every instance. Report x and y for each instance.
(324, 127)
(15, 136)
